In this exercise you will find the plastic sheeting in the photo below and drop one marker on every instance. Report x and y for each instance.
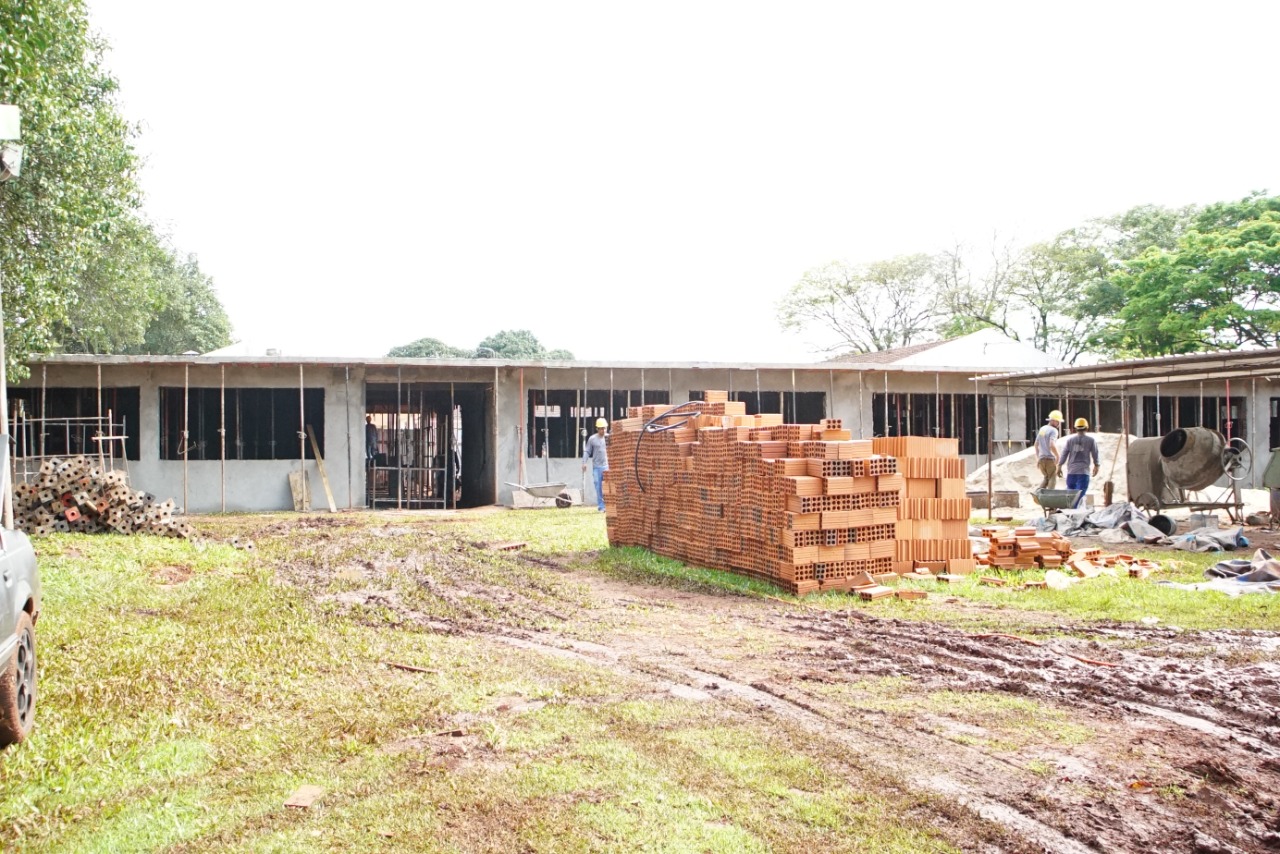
(1261, 574)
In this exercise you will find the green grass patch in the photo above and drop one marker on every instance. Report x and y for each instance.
(186, 692)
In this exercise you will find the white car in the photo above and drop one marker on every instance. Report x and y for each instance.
(19, 611)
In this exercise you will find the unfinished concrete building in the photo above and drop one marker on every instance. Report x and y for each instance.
(225, 432)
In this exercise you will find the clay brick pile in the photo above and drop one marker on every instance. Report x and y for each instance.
(933, 518)
(803, 506)
(75, 495)
(1025, 548)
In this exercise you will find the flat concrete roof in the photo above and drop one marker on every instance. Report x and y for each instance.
(1189, 367)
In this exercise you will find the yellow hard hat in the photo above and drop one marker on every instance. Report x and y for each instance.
(600, 422)
(1082, 423)
(1056, 415)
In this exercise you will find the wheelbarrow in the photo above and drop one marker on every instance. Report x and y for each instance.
(1053, 500)
(545, 490)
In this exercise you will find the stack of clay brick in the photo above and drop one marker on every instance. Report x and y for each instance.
(803, 506)
(76, 495)
(1024, 548)
(933, 518)
(1027, 548)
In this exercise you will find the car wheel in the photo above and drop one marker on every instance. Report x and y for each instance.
(18, 686)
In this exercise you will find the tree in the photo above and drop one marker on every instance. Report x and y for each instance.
(77, 185)
(190, 317)
(508, 344)
(1059, 294)
(976, 296)
(428, 348)
(517, 344)
(876, 306)
(1218, 287)
(118, 293)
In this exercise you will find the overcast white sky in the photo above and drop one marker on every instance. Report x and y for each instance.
(645, 181)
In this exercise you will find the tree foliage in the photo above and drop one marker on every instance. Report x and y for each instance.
(1061, 295)
(876, 306)
(77, 184)
(507, 344)
(429, 348)
(83, 271)
(1217, 286)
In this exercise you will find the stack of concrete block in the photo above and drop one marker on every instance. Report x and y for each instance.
(803, 506)
(933, 517)
(76, 495)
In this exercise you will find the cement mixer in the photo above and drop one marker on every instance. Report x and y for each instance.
(1190, 459)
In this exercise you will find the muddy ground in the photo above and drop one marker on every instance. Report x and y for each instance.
(1176, 741)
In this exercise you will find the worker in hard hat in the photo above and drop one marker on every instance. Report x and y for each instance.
(597, 454)
(1076, 453)
(1047, 450)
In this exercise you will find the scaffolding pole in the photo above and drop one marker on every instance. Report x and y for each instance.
(186, 411)
(346, 405)
(222, 430)
(302, 437)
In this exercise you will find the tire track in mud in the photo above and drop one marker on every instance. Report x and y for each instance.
(693, 684)
(938, 657)
(1199, 695)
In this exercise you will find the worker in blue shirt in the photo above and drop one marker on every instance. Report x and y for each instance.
(597, 454)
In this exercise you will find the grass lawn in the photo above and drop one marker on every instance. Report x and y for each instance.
(186, 690)
(185, 694)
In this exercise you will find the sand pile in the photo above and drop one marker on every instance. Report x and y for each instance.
(1018, 473)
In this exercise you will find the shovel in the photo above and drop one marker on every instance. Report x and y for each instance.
(1108, 487)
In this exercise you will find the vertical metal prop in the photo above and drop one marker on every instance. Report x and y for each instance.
(610, 410)
(792, 420)
(862, 403)
(1159, 431)
(100, 433)
(585, 398)
(520, 429)
(302, 435)
(886, 403)
(829, 406)
(759, 400)
(991, 416)
(186, 403)
(454, 457)
(395, 433)
(44, 394)
(977, 425)
(222, 431)
(937, 404)
(546, 426)
(346, 397)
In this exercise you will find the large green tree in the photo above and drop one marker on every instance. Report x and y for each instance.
(1218, 286)
(77, 185)
(867, 307)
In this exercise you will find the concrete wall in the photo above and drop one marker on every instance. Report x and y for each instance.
(263, 485)
(249, 484)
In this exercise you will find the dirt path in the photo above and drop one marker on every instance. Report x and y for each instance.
(1175, 748)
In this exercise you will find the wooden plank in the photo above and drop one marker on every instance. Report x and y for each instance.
(324, 478)
(298, 487)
